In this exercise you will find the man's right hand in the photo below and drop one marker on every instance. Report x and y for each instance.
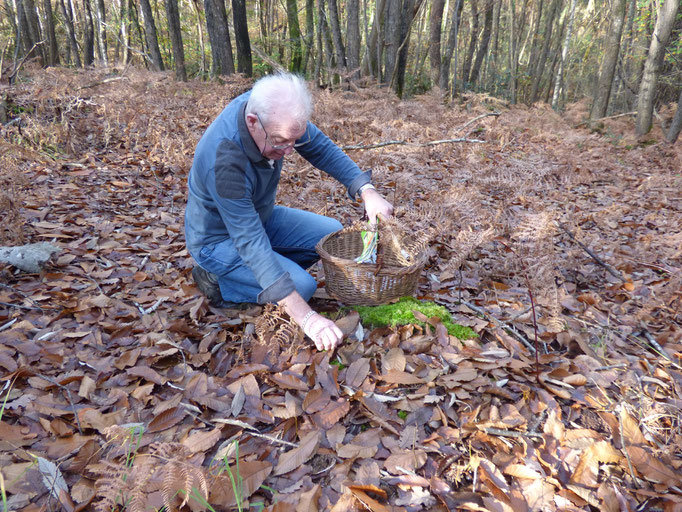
(324, 333)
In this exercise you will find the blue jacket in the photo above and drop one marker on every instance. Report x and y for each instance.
(232, 189)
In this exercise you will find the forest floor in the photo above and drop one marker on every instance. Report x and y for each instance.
(122, 388)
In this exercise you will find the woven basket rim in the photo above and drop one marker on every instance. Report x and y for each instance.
(385, 270)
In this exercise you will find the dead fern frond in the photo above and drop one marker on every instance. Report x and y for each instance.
(275, 326)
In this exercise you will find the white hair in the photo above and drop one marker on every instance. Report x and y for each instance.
(278, 93)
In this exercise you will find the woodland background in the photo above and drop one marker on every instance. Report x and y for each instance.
(556, 235)
(625, 54)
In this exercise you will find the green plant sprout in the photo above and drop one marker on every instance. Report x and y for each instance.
(400, 313)
(236, 481)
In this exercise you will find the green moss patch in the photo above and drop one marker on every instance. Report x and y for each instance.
(400, 313)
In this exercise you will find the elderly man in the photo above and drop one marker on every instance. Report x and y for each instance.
(247, 248)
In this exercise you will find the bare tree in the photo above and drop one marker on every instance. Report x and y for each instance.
(676, 126)
(294, 37)
(353, 38)
(485, 41)
(609, 60)
(150, 35)
(176, 39)
(558, 84)
(241, 36)
(52, 50)
(336, 34)
(652, 66)
(88, 34)
(68, 21)
(101, 29)
(450, 48)
(219, 35)
(435, 29)
(466, 65)
(542, 60)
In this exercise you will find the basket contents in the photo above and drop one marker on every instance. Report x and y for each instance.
(370, 238)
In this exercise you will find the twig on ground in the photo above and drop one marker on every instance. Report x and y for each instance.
(8, 324)
(605, 118)
(476, 119)
(35, 306)
(510, 433)
(500, 323)
(652, 341)
(596, 258)
(68, 396)
(101, 82)
(21, 62)
(611, 367)
(407, 143)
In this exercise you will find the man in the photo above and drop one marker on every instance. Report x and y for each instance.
(247, 248)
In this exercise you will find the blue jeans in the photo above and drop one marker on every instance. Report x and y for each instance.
(293, 236)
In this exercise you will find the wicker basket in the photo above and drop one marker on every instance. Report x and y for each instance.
(360, 283)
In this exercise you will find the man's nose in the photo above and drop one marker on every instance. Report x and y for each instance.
(288, 150)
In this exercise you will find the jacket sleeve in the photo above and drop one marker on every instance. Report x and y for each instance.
(328, 157)
(232, 192)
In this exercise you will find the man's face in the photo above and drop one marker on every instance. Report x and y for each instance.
(276, 137)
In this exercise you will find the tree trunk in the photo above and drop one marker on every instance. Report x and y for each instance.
(353, 38)
(68, 20)
(33, 31)
(466, 66)
(241, 36)
(485, 42)
(295, 64)
(150, 35)
(558, 84)
(196, 6)
(539, 70)
(173, 17)
(450, 49)
(676, 126)
(491, 67)
(407, 14)
(88, 35)
(309, 32)
(372, 65)
(101, 28)
(52, 50)
(435, 29)
(219, 35)
(652, 66)
(609, 60)
(336, 34)
(535, 42)
(513, 57)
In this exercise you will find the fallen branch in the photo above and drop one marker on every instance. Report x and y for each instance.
(652, 341)
(596, 258)
(406, 143)
(21, 62)
(476, 119)
(605, 118)
(101, 82)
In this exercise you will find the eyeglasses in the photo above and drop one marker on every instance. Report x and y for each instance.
(280, 147)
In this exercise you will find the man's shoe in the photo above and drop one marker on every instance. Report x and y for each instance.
(208, 284)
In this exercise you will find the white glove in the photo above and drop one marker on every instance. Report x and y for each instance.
(324, 333)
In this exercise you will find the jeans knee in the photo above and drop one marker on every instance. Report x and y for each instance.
(306, 285)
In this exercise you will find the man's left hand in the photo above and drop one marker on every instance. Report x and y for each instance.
(376, 205)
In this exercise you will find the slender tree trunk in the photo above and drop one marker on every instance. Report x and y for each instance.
(450, 49)
(88, 35)
(535, 41)
(485, 42)
(676, 125)
(196, 6)
(219, 35)
(408, 12)
(309, 37)
(336, 34)
(353, 38)
(33, 27)
(652, 66)
(491, 68)
(68, 21)
(558, 84)
(52, 50)
(173, 17)
(373, 60)
(513, 57)
(466, 65)
(435, 29)
(241, 36)
(609, 60)
(542, 60)
(100, 12)
(150, 35)
(295, 64)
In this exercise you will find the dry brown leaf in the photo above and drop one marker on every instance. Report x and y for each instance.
(296, 457)
(357, 372)
(167, 419)
(586, 471)
(252, 473)
(203, 440)
(394, 359)
(652, 468)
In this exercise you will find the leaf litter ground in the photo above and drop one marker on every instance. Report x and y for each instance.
(123, 388)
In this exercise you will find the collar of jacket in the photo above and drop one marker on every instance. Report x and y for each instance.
(250, 147)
